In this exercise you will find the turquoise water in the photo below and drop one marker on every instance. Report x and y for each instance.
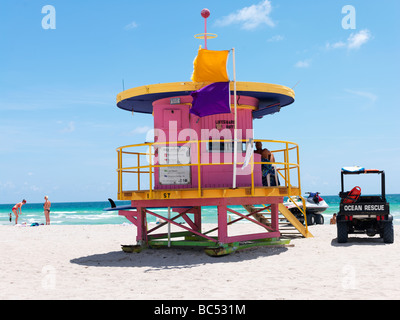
(91, 213)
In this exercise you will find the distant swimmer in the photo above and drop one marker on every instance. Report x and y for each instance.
(46, 207)
(17, 210)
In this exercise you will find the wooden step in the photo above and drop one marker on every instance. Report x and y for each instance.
(288, 224)
(294, 221)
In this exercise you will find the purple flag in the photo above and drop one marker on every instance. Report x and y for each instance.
(212, 99)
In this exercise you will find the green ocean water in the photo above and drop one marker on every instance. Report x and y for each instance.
(91, 213)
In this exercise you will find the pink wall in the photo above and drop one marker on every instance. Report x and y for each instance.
(178, 124)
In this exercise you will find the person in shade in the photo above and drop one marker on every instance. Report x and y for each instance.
(17, 210)
(46, 207)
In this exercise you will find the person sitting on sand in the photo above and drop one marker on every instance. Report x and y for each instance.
(17, 208)
(333, 219)
(46, 207)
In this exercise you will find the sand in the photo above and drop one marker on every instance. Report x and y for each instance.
(86, 262)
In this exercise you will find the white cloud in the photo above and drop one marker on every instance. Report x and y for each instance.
(131, 26)
(364, 94)
(336, 45)
(250, 17)
(7, 185)
(355, 41)
(141, 130)
(69, 128)
(276, 38)
(303, 64)
(34, 188)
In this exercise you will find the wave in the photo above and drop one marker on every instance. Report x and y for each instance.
(64, 212)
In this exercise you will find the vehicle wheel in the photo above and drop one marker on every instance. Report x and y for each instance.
(342, 232)
(388, 235)
(310, 219)
(319, 219)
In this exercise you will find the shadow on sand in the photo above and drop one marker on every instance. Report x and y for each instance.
(171, 258)
(358, 241)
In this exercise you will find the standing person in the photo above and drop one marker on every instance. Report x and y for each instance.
(46, 207)
(17, 210)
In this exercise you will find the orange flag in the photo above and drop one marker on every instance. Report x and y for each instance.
(210, 66)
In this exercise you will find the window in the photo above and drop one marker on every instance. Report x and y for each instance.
(223, 146)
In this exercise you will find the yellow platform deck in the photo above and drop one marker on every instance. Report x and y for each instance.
(208, 193)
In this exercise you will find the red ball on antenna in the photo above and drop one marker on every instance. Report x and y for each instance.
(205, 13)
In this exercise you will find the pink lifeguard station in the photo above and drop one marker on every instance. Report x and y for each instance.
(198, 161)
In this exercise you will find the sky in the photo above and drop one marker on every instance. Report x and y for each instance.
(60, 127)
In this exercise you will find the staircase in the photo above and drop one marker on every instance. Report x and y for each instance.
(289, 226)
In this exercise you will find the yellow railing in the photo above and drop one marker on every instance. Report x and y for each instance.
(288, 170)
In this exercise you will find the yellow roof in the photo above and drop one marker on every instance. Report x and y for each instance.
(271, 96)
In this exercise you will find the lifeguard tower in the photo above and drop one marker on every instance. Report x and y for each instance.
(197, 162)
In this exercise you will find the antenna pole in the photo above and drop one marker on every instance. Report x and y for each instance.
(205, 34)
(296, 84)
(205, 13)
(235, 145)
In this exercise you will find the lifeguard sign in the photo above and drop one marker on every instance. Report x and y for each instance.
(176, 175)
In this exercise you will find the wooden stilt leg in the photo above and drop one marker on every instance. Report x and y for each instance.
(222, 224)
(197, 218)
(275, 216)
(141, 226)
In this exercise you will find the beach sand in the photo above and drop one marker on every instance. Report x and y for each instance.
(86, 262)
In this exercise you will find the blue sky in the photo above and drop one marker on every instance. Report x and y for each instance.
(59, 125)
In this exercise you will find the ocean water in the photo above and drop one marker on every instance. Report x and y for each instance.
(91, 213)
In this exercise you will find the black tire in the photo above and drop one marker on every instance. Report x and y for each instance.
(388, 235)
(310, 219)
(319, 219)
(342, 232)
